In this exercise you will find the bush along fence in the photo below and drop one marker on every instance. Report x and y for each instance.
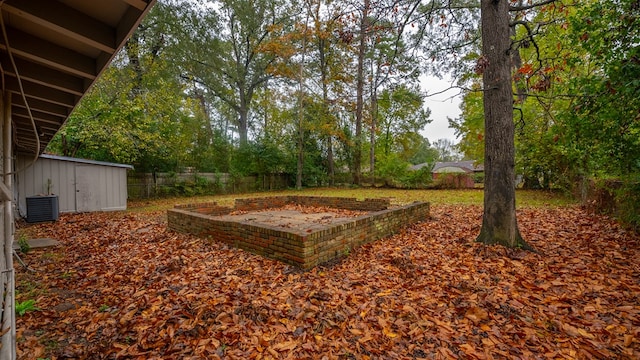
(151, 185)
(616, 197)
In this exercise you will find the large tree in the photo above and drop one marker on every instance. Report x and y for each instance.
(499, 225)
(232, 48)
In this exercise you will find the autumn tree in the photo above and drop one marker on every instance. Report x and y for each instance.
(360, 83)
(231, 49)
(329, 69)
(499, 224)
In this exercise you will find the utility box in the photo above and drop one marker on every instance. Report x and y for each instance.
(42, 208)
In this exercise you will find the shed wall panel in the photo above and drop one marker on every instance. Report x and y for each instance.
(110, 186)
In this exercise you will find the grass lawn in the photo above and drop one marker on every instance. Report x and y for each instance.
(524, 198)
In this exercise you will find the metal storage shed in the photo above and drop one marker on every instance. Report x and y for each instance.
(81, 185)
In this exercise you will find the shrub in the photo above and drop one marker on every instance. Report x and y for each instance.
(628, 204)
(616, 197)
(418, 179)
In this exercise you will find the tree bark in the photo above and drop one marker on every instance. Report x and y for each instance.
(372, 135)
(243, 124)
(300, 160)
(499, 225)
(325, 109)
(357, 153)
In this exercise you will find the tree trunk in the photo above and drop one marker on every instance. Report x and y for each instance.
(372, 137)
(330, 161)
(499, 225)
(205, 112)
(357, 154)
(133, 54)
(326, 110)
(300, 162)
(243, 128)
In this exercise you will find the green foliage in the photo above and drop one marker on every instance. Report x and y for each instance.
(257, 158)
(469, 127)
(26, 306)
(576, 96)
(401, 118)
(619, 197)
(628, 199)
(609, 141)
(391, 168)
(23, 244)
(192, 187)
(418, 179)
(231, 49)
(395, 172)
(136, 113)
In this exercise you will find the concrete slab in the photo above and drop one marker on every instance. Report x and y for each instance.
(38, 243)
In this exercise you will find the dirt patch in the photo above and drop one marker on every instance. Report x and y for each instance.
(293, 216)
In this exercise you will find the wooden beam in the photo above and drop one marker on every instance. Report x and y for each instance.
(65, 20)
(49, 54)
(42, 106)
(44, 75)
(138, 4)
(127, 25)
(39, 116)
(41, 92)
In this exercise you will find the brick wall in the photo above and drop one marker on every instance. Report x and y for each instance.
(293, 247)
(211, 208)
(333, 202)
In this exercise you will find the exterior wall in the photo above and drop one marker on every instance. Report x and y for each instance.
(302, 249)
(455, 180)
(108, 184)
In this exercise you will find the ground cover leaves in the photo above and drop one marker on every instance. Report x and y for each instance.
(125, 287)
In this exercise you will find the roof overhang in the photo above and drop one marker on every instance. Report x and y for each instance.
(59, 49)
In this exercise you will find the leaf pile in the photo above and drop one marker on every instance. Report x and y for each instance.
(125, 287)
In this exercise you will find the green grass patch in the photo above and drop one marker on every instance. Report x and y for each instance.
(26, 306)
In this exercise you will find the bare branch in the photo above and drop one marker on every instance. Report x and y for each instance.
(527, 7)
(530, 34)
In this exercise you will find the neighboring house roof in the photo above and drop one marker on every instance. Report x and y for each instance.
(419, 166)
(457, 166)
(84, 161)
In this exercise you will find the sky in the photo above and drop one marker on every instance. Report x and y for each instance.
(442, 106)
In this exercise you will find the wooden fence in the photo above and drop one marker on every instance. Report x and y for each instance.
(149, 185)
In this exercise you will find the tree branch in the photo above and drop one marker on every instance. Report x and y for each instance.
(527, 7)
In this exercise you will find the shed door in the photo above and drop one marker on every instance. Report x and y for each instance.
(87, 188)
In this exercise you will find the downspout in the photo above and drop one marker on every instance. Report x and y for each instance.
(8, 350)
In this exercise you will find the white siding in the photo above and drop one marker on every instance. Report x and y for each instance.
(109, 191)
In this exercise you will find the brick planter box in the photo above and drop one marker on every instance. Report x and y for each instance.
(304, 247)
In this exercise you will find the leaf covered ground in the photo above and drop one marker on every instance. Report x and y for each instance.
(123, 286)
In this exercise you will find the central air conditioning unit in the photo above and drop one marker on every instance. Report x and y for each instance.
(42, 208)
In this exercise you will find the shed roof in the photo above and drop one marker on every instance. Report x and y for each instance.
(85, 161)
(52, 52)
